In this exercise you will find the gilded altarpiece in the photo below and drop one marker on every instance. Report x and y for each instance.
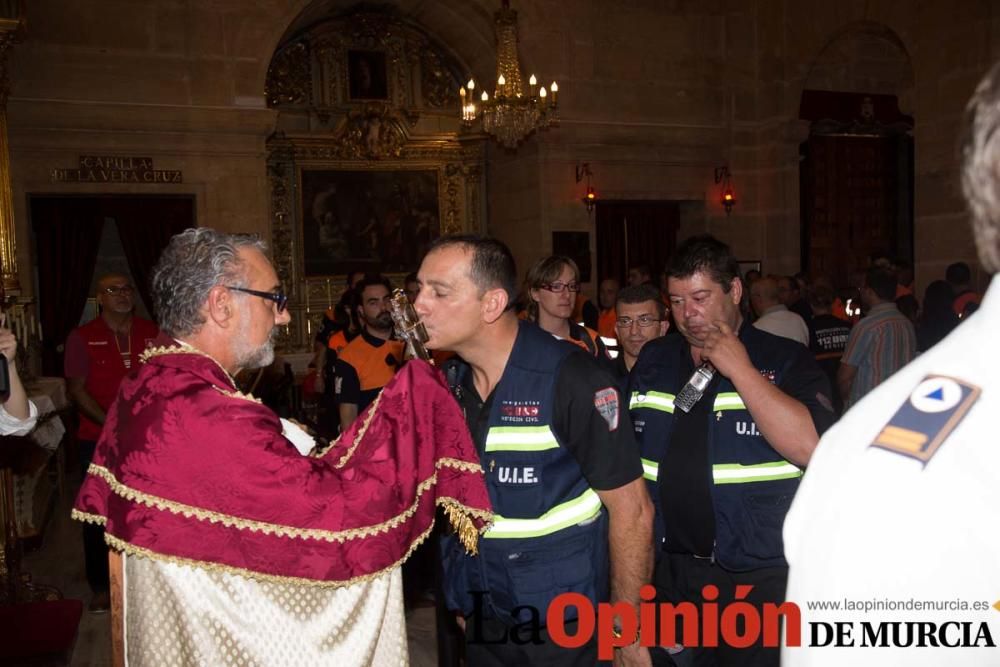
(362, 180)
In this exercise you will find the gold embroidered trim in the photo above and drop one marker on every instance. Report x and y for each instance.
(86, 517)
(485, 515)
(319, 452)
(460, 517)
(180, 347)
(360, 434)
(458, 464)
(190, 511)
(237, 394)
(185, 348)
(133, 550)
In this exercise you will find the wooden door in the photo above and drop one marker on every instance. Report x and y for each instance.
(851, 203)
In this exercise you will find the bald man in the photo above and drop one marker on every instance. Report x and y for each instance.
(772, 315)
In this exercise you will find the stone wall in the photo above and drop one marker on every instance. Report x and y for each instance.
(654, 95)
(180, 82)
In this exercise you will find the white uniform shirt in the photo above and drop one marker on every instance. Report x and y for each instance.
(874, 526)
(782, 322)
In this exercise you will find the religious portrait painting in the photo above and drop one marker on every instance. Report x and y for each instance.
(367, 220)
(366, 75)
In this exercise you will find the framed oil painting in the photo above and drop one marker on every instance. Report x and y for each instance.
(367, 220)
(366, 75)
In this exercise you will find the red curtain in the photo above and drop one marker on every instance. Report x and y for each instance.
(145, 228)
(630, 233)
(67, 236)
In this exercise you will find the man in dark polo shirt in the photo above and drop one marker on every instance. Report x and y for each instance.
(546, 412)
(371, 359)
(723, 474)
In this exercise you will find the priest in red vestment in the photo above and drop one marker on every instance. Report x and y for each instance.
(238, 545)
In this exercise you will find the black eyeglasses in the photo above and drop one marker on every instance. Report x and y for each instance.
(561, 287)
(642, 321)
(279, 298)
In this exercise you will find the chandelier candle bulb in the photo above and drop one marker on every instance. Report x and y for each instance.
(471, 85)
(516, 111)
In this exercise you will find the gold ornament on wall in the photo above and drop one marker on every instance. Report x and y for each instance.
(289, 78)
(364, 99)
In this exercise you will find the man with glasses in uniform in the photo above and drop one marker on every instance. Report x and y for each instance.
(99, 355)
(642, 317)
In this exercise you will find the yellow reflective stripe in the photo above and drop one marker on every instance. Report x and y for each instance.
(520, 439)
(735, 473)
(728, 400)
(585, 506)
(654, 400)
(650, 469)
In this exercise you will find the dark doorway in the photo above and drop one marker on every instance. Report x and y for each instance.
(856, 183)
(631, 233)
(67, 234)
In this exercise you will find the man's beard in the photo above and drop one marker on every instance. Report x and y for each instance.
(381, 323)
(256, 357)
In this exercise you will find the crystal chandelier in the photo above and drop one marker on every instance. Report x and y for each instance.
(511, 115)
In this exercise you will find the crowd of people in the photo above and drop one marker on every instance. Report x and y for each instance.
(790, 355)
(859, 335)
(643, 449)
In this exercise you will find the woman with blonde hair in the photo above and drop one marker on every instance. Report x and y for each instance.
(552, 285)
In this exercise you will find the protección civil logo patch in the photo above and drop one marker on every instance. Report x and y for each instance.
(606, 403)
(927, 417)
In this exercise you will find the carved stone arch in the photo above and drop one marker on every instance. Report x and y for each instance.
(862, 57)
(403, 125)
(465, 27)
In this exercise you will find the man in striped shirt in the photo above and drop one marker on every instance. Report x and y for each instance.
(880, 344)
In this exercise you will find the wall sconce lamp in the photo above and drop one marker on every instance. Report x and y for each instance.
(728, 198)
(590, 196)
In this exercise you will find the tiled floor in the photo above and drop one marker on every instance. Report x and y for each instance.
(59, 563)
